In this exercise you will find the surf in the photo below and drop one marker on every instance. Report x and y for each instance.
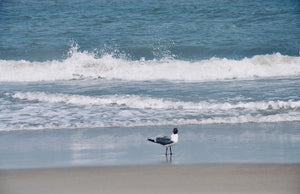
(90, 65)
(147, 102)
(46, 110)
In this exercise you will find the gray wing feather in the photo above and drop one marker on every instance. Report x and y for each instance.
(163, 140)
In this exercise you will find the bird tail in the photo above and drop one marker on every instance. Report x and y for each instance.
(152, 140)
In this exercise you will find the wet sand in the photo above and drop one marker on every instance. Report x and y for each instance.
(154, 179)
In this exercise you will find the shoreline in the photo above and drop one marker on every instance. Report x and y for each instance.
(250, 143)
(210, 178)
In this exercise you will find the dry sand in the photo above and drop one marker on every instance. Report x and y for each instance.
(154, 179)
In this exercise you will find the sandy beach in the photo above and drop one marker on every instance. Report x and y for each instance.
(155, 179)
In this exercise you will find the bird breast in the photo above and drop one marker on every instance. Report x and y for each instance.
(174, 138)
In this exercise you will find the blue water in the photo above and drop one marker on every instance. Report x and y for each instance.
(87, 82)
(189, 29)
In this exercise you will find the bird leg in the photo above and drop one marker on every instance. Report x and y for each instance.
(170, 150)
(166, 151)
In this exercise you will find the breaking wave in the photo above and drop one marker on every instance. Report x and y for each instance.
(85, 65)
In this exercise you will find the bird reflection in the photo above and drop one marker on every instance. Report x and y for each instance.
(169, 159)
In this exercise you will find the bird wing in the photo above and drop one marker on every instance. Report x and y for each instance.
(164, 140)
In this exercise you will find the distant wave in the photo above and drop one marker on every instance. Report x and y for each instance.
(85, 65)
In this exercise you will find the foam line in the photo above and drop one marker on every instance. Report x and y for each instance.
(135, 101)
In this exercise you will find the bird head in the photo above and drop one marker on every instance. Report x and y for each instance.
(175, 130)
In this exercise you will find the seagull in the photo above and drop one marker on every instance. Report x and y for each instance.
(167, 141)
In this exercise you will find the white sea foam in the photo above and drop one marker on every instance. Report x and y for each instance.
(41, 110)
(155, 122)
(84, 65)
(134, 101)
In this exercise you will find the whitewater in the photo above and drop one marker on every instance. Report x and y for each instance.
(92, 90)
(88, 65)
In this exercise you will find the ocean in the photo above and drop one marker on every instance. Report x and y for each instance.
(86, 82)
